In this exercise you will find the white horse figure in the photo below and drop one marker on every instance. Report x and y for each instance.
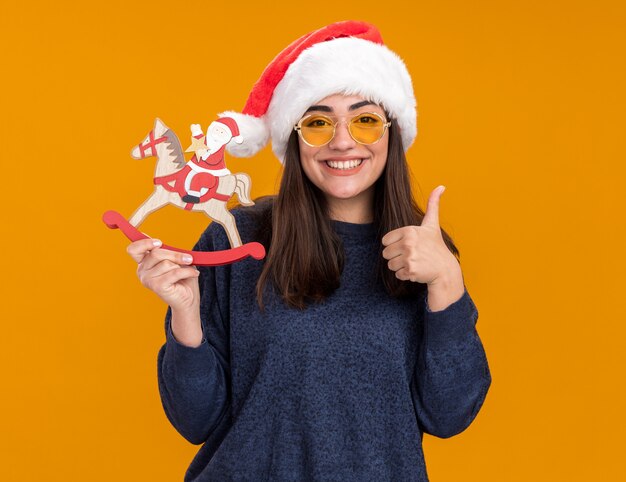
(163, 143)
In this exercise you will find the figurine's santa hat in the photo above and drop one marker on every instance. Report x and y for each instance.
(341, 58)
(231, 126)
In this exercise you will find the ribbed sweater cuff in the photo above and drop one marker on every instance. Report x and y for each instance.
(193, 358)
(452, 323)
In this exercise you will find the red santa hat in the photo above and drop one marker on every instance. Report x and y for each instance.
(342, 58)
(231, 125)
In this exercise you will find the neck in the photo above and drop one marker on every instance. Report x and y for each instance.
(356, 210)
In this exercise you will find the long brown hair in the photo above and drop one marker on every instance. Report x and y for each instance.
(305, 259)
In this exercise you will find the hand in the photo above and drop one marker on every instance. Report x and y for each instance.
(196, 130)
(419, 253)
(167, 273)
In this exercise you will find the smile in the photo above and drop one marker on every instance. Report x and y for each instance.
(344, 165)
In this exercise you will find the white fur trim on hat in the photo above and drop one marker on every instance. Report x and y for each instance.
(350, 66)
(253, 129)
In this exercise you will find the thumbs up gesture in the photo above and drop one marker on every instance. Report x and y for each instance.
(419, 253)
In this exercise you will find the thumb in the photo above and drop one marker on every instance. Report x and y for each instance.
(431, 217)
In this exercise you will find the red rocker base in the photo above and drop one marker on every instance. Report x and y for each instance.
(115, 220)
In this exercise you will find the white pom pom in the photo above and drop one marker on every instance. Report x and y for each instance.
(254, 134)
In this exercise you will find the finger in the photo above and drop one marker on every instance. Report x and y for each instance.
(431, 217)
(397, 264)
(158, 255)
(392, 251)
(403, 274)
(138, 249)
(162, 267)
(169, 279)
(393, 236)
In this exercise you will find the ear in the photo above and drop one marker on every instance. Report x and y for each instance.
(159, 127)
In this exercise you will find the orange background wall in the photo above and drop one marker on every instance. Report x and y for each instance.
(521, 108)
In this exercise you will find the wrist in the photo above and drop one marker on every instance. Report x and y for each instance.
(186, 327)
(450, 276)
(446, 288)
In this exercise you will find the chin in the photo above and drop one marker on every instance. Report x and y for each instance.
(344, 195)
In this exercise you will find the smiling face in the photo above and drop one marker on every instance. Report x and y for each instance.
(344, 170)
(218, 133)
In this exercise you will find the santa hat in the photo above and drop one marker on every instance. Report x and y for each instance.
(231, 125)
(342, 58)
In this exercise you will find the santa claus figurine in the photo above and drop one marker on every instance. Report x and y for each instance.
(208, 162)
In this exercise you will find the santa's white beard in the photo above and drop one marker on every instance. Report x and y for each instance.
(214, 145)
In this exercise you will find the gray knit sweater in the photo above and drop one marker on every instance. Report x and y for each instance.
(341, 391)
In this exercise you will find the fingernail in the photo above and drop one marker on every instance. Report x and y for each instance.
(187, 258)
(157, 242)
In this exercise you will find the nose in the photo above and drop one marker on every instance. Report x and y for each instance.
(342, 140)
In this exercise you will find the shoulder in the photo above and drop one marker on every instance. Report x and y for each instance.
(252, 224)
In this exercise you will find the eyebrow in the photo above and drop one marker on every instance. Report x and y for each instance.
(325, 108)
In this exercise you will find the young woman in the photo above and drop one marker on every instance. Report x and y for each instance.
(330, 358)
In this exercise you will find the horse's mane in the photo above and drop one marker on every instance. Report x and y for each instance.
(174, 149)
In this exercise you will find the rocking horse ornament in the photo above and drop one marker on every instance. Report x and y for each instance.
(201, 184)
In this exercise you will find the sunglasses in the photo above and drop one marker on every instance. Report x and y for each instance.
(317, 130)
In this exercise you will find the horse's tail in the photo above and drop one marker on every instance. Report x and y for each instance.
(242, 189)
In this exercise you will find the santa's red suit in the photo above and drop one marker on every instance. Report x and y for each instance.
(199, 178)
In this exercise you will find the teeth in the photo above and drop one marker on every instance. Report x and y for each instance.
(344, 164)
